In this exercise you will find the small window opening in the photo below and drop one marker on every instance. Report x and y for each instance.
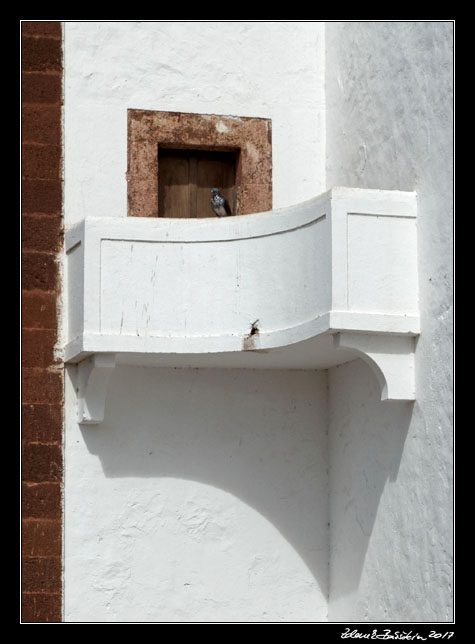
(185, 179)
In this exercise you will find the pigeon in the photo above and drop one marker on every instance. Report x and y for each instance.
(219, 204)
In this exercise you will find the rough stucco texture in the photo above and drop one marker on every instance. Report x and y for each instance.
(246, 69)
(389, 126)
(199, 495)
(183, 507)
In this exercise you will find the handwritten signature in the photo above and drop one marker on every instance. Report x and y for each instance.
(387, 634)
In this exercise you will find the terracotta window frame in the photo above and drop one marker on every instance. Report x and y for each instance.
(149, 130)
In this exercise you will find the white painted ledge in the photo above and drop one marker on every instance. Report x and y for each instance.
(322, 282)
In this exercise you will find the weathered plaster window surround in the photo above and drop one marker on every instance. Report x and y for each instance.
(305, 287)
(250, 138)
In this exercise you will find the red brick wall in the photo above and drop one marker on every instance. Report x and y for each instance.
(42, 372)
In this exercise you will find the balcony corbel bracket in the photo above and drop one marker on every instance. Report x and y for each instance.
(390, 357)
(93, 379)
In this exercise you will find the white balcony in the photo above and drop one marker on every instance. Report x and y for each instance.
(305, 287)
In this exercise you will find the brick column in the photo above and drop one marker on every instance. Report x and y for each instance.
(42, 370)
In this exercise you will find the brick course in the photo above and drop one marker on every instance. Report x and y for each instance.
(41, 537)
(40, 123)
(37, 348)
(42, 574)
(39, 87)
(42, 423)
(42, 371)
(42, 386)
(41, 607)
(51, 29)
(42, 233)
(39, 271)
(41, 161)
(40, 54)
(41, 501)
(41, 462)
(41, 196)
(39, 310)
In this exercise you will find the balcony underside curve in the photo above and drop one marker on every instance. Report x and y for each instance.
(305, 287)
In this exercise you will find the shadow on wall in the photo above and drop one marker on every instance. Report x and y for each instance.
(259, 435)
(262, 437)
(366, 443)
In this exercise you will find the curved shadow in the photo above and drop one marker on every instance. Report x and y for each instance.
(366, 444)
(259, 435)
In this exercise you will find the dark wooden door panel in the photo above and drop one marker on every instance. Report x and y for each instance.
(214, 173)
(185, 179)
(173, 186)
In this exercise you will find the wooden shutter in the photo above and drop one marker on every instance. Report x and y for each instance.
(185, 179)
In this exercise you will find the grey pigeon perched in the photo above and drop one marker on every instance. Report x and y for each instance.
(219, 204)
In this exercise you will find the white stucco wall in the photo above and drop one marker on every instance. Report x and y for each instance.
(259, 69)
(203, 489)
(202, 497)
(389, 125)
